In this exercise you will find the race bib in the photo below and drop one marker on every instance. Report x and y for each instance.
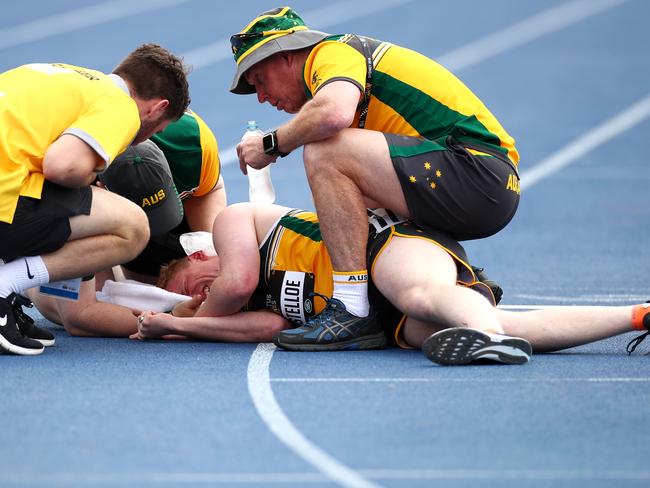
(288, 294)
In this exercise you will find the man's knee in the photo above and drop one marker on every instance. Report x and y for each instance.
(135, 230)
(326, 156)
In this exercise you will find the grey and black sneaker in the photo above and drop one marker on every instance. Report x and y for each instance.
(334, 329)
(461, 345)
(497, 291)
(26, 323)
(12, 339)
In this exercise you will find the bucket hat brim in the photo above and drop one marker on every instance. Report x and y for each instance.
(290, 42)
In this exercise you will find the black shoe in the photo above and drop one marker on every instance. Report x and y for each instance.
(461, 345)
(12, 339)
(334, 329)
(497, 291)
(26, 323)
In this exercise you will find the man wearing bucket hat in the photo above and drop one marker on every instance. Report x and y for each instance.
(429, 150)
(61, 125)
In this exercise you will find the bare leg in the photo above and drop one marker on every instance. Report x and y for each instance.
(343, 172)
(419, 278)
(546, 330)
(554, 329)
(115, 232)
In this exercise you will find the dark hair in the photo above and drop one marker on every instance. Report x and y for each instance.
(154, 72)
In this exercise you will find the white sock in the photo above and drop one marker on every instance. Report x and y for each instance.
(22, 273)
(352, 290)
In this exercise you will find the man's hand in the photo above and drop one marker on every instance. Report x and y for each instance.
(251, 152)
(187, 308)
(152, 325)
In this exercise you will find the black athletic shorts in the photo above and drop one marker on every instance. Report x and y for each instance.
(466, 190)
(43, 226)
(160, 250)
(381, 231)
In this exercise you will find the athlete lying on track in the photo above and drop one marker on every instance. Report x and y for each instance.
(273, 271)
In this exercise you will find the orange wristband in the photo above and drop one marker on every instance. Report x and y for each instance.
(639, 314)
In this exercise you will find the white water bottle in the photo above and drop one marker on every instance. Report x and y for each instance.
(260, 186)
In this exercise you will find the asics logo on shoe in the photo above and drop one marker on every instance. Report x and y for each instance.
(3, 321)
(29, 274)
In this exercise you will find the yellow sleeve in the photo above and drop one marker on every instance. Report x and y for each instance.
(108, 125)
(332, 61)
(211, 166)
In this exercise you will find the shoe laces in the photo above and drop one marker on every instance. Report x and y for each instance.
(326, 314)
(632, 345)
(24, 321)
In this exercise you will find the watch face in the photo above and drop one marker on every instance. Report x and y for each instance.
(268, 142)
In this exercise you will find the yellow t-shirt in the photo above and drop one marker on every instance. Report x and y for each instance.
(411, 94)
(39, 103)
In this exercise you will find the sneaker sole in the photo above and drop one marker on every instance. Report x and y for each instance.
(7, 346)
(459, 346)
(370, 342)
(45, 342)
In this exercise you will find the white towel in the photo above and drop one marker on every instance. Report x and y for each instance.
(141, 296)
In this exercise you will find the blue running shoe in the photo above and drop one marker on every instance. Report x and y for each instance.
(333, 329)
(461, 345)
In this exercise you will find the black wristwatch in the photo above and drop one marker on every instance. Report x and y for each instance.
(270, 144)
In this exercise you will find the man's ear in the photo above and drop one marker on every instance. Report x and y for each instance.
(197, 256)
(158, 108)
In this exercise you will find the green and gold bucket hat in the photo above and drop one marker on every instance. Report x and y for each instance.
(280, 29)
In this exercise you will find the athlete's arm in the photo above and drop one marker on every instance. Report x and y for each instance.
(259, 326)
(71, 162)
(201, 211)
(86, 317)
(235, 240)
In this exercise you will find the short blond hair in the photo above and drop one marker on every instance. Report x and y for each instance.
(170, 270)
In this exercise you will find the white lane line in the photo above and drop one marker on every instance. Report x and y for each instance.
(568, 300)
(503, 474)
(260, 390)
(527, 30)
(599, 135)
(499, 42)
(523, 379)
(78, 19)
(265, 479)
(322, 18)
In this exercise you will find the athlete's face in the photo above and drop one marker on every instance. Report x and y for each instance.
(277, 80)
(196, 277)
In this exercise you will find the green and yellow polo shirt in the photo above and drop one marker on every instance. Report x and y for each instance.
(192, 153)
(411, 94)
